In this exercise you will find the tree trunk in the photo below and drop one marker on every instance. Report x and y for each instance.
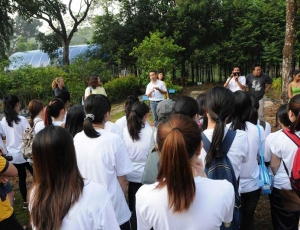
(66, 60)
(288, 49)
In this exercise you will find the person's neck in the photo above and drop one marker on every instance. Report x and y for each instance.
(210, 124)
(98, 126)
(154, 80)
(59, 118)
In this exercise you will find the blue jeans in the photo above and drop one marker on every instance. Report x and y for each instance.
(153, 106)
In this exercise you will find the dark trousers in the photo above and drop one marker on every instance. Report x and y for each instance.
(11, 223)
(249, 202)
(132, 189)
(282, 219)
(126, 226)
(22, 177)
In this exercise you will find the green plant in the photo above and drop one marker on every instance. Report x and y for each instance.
(276, 85)
(119, 88)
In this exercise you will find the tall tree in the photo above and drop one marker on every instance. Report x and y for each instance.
(289, 44)
(53, 12)
(6, 28)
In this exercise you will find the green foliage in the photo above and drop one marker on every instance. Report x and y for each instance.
(119, 88)
(49, 43)
(276, 85)
(156, 52)
(6, 28)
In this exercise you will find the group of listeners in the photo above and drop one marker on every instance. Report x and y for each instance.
(84, 164)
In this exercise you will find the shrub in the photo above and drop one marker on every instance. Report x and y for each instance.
(119, 88)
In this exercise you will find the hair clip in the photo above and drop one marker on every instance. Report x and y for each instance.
(91, 116)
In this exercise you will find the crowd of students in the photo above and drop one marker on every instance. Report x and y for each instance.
(84, 164)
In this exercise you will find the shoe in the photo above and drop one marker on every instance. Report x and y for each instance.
(25, 205)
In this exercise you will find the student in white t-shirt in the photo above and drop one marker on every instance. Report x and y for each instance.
(137, 137)
(219, 105)
(249, 176)
(60, 198)
(36, 110)
(102, 156)
(180, 200)
(282, 120)
(55, 113)
(13, 126)
(283, 151)
(122, 122)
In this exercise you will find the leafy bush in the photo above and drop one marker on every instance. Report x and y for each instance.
(276, 85)
(121, 87)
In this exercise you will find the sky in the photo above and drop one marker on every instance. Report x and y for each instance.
(75, 7)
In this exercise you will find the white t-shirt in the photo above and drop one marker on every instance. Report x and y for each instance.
(14, 138)
(238, 152)
(121, 123)
(249, 176)
(97, 90)
(209, 209)
(283, 147)
(93, 210)
(156, 95)
(138, 152)
(102, 160)
(39, 125)
(233, 86)
(268, 142)
(57, 123)
(113, 128)
(267, 129)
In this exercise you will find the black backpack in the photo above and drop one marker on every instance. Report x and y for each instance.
(220, 168)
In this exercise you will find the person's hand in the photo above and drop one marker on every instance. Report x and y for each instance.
(198, 168)
(1, 151)
(3, 179)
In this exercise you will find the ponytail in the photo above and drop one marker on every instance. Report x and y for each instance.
(54, 83)
(219, 101)
(9, 104)
(95, 106)
(53, 110)
(178, 139)
(135, 120)
(131, 99)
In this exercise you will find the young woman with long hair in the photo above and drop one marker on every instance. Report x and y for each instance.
(294, 86)
(102, 156)
(122, 122)
(36, 110)
(285, 203)
(219, 102)
(75, 118)
(60, 198)
(137, 138)
(58, 85)
(56, 110)
(249, 176)
(183, 197)
(13, 127)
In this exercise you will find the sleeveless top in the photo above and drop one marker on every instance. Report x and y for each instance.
(295, 90)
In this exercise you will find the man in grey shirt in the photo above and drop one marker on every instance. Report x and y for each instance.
(258, 84)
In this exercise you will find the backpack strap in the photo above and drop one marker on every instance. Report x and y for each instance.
(292, 136)
(295, 139)
(36, 123)
(226, 143)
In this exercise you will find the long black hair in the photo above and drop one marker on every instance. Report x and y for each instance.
(9, 104)
(130, 100)
(74, 120)
(282, 116)
(219, 102)
(242, 110)
(95, 107)
(135, 120)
